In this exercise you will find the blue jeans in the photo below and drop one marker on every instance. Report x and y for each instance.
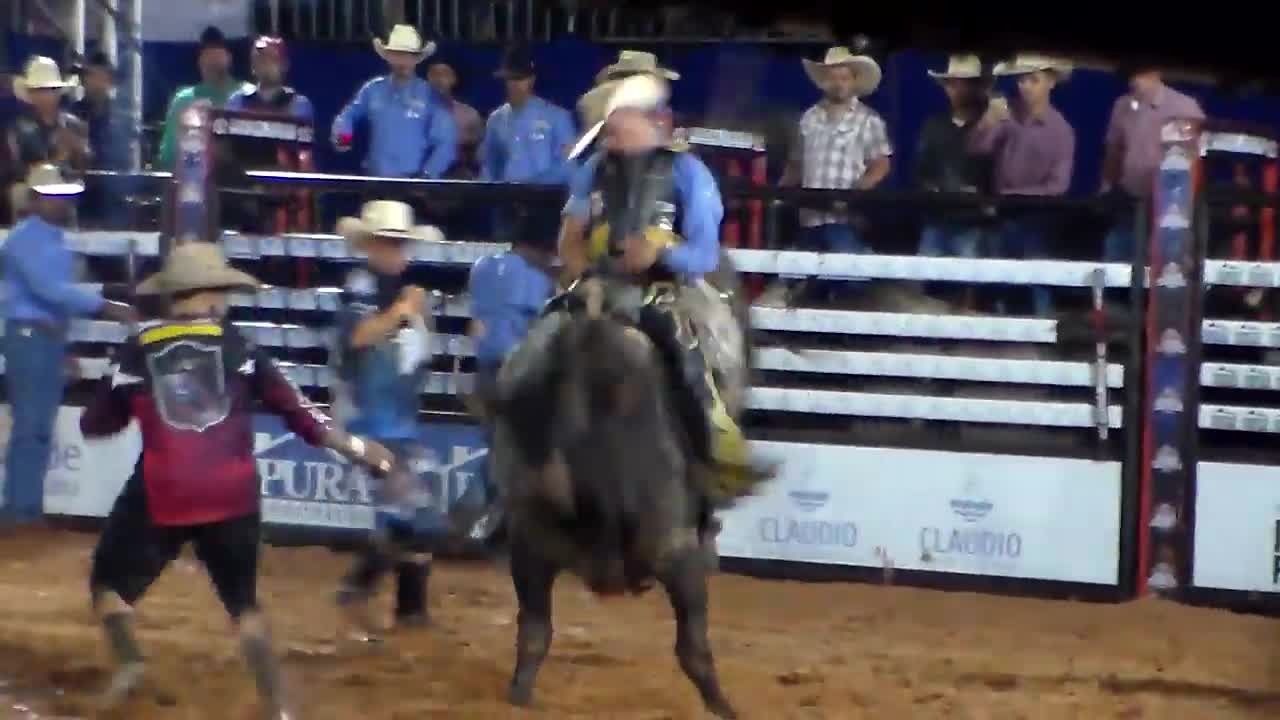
(1118, 245)
(34, 380)
(1028, 238)
(832, 238)
(953, 240)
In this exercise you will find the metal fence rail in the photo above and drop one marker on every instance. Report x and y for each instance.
(508, 20)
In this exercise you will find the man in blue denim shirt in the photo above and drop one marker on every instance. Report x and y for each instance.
(508, 292)
(411, 129)
(40, 299)
(382, 355)
(527, 140)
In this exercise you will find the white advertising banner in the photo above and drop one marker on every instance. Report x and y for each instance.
(85, 476)
(1237, 527)
(1026, 517)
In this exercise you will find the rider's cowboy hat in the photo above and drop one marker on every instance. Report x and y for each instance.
(404, 39)
(960, 67)
(386, 220)
(41, 74)
(196, 266)
(635, 62)
(866, 71)
(637, 92)
(48, 180)
(1026, 63)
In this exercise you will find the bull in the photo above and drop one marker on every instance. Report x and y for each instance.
(597, 471)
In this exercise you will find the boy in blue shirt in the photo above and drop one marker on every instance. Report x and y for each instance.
(382, 357)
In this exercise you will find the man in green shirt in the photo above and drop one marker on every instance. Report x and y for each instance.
(216, 85)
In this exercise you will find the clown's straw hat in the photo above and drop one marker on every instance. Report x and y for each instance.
(196, 266)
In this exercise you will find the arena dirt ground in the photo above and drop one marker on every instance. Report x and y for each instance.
(786, 650)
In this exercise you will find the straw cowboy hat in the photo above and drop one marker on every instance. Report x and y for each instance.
(637, 92)
(635, 62)
(42, 74)
(406, 40)
(48, 180)
(385, 219)
(1025, 63)
(960, 67)
(866, 70)
(196, 266)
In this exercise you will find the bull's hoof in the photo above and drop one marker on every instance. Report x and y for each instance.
(124, 683)
(722, 709)
(520, 695)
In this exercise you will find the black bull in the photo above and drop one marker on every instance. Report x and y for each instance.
(596, 469)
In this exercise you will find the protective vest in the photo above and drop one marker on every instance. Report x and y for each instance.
(633, 195)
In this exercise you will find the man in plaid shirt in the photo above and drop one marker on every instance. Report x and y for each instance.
(843, 144)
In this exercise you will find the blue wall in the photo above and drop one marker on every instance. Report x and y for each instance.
(762, 84)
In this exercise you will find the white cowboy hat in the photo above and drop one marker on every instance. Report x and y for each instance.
(195, 266)
(635, 62)
(1026, 63)
(404, 39)
(960, 67)
(387, 219)
(48, 180)
(42, 74)
(636, 92)
(866, 70)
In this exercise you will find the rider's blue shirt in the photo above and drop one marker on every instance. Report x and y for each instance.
(701, 212)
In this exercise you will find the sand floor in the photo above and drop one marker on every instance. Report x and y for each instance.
(785, 650)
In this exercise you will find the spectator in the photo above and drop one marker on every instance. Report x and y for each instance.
(470, 125)
(527, 139)
(216, 85)
(944, 164)
(108, 129)
(262, 212)
(270, 62)
(40, 299)
(109, 139)
(1033, 147)
(43, 132)
(1133, 147)
(412, 133)
(843, 144)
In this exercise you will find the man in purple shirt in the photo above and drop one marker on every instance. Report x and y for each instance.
(1133, 147)
(442, 77)
(1033, 147)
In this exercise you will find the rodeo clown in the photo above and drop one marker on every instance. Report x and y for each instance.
(382, 359)
(193, 381)
(626, 200)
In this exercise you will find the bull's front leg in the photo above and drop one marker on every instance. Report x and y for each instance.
(685, 578)
(533, 577)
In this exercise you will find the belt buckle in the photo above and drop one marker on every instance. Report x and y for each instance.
(26, 331)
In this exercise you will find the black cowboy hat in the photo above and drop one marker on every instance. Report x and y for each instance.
(212, 38)
(517, 64)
